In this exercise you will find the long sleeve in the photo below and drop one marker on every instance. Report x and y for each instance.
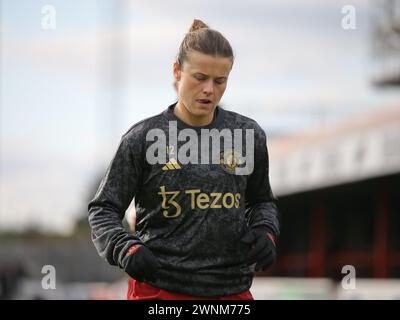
(261, 208)
(114, 195)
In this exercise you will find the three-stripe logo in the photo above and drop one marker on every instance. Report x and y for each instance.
(171, 165)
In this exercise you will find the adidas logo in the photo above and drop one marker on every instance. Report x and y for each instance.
(171, 165)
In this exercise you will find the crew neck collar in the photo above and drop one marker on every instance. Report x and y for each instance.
(169, 114)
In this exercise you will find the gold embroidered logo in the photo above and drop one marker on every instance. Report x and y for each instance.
(229, 160)
(171, 165)
(168, 202)
(198, 200)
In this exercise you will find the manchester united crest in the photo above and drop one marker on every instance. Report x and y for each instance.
(230, 160)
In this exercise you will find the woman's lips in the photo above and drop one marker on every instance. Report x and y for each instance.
(203, 101)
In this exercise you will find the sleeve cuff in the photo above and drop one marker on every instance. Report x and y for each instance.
(133, 249)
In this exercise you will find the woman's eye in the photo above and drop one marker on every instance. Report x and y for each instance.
(200, 77)
(220, 81)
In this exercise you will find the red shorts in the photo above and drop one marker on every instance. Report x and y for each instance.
(143, 291)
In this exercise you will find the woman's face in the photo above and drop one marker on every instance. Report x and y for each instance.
(201, 83)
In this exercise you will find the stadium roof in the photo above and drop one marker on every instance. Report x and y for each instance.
(364, 147)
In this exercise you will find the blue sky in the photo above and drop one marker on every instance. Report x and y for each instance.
(64, 105)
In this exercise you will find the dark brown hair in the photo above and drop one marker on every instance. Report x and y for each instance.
(205, 40)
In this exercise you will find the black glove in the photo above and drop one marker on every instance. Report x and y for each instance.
(263, 249)
(140, 263)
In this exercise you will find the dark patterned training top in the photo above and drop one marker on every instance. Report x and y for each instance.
(190, 215)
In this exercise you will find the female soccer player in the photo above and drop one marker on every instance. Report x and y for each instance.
(206, 218)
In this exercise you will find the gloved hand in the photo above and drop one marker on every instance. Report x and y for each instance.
(263, 247)
(140, 263)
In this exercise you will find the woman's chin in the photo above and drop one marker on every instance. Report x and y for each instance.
(203, 113)
(203, 109)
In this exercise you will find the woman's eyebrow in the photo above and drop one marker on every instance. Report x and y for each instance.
(200, 73)
(203, 74)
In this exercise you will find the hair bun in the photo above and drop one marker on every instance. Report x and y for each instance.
(197, 24)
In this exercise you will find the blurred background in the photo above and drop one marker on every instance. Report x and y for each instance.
(321, 77)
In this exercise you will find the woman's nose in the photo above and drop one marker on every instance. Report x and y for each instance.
(208, 87)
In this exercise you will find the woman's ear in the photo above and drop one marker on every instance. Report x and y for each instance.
(177, 71)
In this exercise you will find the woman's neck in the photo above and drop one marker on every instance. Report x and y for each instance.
(196, 121)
